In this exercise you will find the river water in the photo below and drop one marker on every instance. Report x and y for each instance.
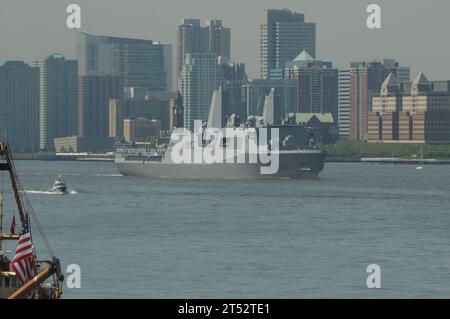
(145, 238)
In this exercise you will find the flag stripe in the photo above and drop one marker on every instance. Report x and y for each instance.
(22, 262)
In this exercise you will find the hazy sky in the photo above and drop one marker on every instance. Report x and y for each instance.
(415, 32)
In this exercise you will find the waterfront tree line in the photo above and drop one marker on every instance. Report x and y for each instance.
(355, 149)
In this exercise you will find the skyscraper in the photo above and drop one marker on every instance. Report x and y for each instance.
(19, 106)
(115, 118)
(141, 129)
(383, 120)
(344, 104)
(176, 112)
(168, 65)
(58, 99)
(93, 108)
(154, 106)
(365, 81)
(199, 77)
(283, 34)
(285, 97)
(189, 40)
(233, 78)
(141, 63)
(194, 38)
(419, 115)
(317, 84)
(402, 73)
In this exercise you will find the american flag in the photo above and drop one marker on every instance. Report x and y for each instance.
(22, 262)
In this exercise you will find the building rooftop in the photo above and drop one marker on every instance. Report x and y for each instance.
(55, 56)
(421, 79)
(390, 85)
(13, 63)
(304, 57)
(391, 80)
(306, 117)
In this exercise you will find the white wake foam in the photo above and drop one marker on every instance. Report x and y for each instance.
(40, 192)
(108, 175)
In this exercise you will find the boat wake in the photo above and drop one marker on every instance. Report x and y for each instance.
(108, 175)
(39, 192)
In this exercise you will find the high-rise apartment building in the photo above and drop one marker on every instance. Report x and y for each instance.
(365, 82)
(19, 106)
(441, 86)
(176, 112)
(219, 39)
(95, 92)
(58, 109)
(383, 120)
(419, 115)
(318, 84)
(192, 37)
(168, 65)
(140, 63)
(285, 97)
(141, 129)
(283, 34)
(162, 106)
(115, 118)
(344, 104)
(401, 73)
(233, 78)
(199, 77)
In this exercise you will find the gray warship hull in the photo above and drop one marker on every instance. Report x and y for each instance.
(292, 164)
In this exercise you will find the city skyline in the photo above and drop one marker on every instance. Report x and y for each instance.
(112, 66)
(237, 149)
(340, 29)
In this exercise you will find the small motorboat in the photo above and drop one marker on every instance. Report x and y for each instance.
(59, 185)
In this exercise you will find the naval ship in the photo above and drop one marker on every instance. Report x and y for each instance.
(295, 151)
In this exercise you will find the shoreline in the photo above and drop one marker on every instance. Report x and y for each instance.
(387, 160)
(330, 159)
(68, 157)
